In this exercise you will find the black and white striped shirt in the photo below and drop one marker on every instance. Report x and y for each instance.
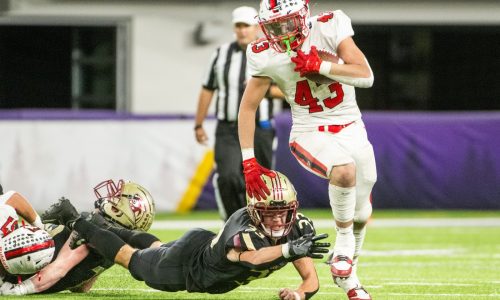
(227, 73)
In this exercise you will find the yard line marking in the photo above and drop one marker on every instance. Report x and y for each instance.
(444, 295)
(127, 289)
(432, 284)
(425, 265)
(329, 223)
(245, 289)
(430, 252)
(402, 283)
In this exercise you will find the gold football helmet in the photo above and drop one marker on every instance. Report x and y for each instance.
(127, 204)
(283, 199)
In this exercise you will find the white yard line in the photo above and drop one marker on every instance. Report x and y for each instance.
(427, 252)
(253, 289)
(431, 284)
(444, 295)
(328, 223)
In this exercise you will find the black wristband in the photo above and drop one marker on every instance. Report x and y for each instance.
(197, 126)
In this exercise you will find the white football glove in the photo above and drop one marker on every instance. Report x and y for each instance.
(8, 288)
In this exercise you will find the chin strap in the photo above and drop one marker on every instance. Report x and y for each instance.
(287, 43)
(288, 49)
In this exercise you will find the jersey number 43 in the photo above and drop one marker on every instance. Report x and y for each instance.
(304, 97)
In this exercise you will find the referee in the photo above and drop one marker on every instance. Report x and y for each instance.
(227, 74)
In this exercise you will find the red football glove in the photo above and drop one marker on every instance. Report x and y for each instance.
(254, 184)
(307, 63)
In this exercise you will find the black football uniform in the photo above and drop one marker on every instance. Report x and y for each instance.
(92, 265)
(197, 262)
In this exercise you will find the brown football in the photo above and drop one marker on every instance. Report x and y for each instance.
(321, 79)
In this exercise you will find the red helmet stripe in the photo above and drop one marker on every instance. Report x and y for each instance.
(273, 187)
(30, 249)
(272, 4)
(278, 178)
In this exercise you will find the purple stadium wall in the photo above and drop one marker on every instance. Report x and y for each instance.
(424, 160)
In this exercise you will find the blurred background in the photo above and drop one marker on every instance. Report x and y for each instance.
(91, 90)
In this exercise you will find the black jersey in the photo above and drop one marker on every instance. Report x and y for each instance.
(92, 265)
(209, 269)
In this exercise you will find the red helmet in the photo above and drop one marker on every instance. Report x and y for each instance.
(284, 22)
(26, 250)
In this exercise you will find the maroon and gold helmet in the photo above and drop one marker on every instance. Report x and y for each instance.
(283, 199)
(127, 204)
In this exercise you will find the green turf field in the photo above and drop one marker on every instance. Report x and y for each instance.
(398, 263)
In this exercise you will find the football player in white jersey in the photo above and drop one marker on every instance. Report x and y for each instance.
(13, 204)
(328, 137)
(26, 249)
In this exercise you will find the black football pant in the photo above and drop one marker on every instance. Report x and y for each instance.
(166, 268)
(230, 181)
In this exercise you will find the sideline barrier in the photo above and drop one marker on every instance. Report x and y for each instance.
(48, 154)
(425, 160)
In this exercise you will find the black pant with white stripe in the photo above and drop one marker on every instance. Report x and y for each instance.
(231, 182)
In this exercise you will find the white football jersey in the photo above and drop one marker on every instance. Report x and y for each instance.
(8, 215)
(312, 104)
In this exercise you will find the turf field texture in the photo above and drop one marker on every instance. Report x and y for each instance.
(407, 255)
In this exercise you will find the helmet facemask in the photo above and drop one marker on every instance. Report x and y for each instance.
(285, 32)
(282, 203)
(287, 213)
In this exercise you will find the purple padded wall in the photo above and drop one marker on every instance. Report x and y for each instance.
(424, 160)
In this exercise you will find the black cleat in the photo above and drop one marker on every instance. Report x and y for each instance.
(62, 213)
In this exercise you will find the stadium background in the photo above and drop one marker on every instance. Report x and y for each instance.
(91, 90)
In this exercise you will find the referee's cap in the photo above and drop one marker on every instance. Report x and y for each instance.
(245, 14)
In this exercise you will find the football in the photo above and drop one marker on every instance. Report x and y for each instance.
(326, 56)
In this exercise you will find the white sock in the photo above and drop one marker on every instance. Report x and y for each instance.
(359, 236)
(344, 242)
(348, 283)
(353, 281)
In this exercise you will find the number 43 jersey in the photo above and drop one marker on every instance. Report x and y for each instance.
(312, 104)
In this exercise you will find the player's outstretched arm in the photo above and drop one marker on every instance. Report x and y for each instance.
(305, 246)
(51, 274)
(254, 93)
(310, 282)
(258, 259)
